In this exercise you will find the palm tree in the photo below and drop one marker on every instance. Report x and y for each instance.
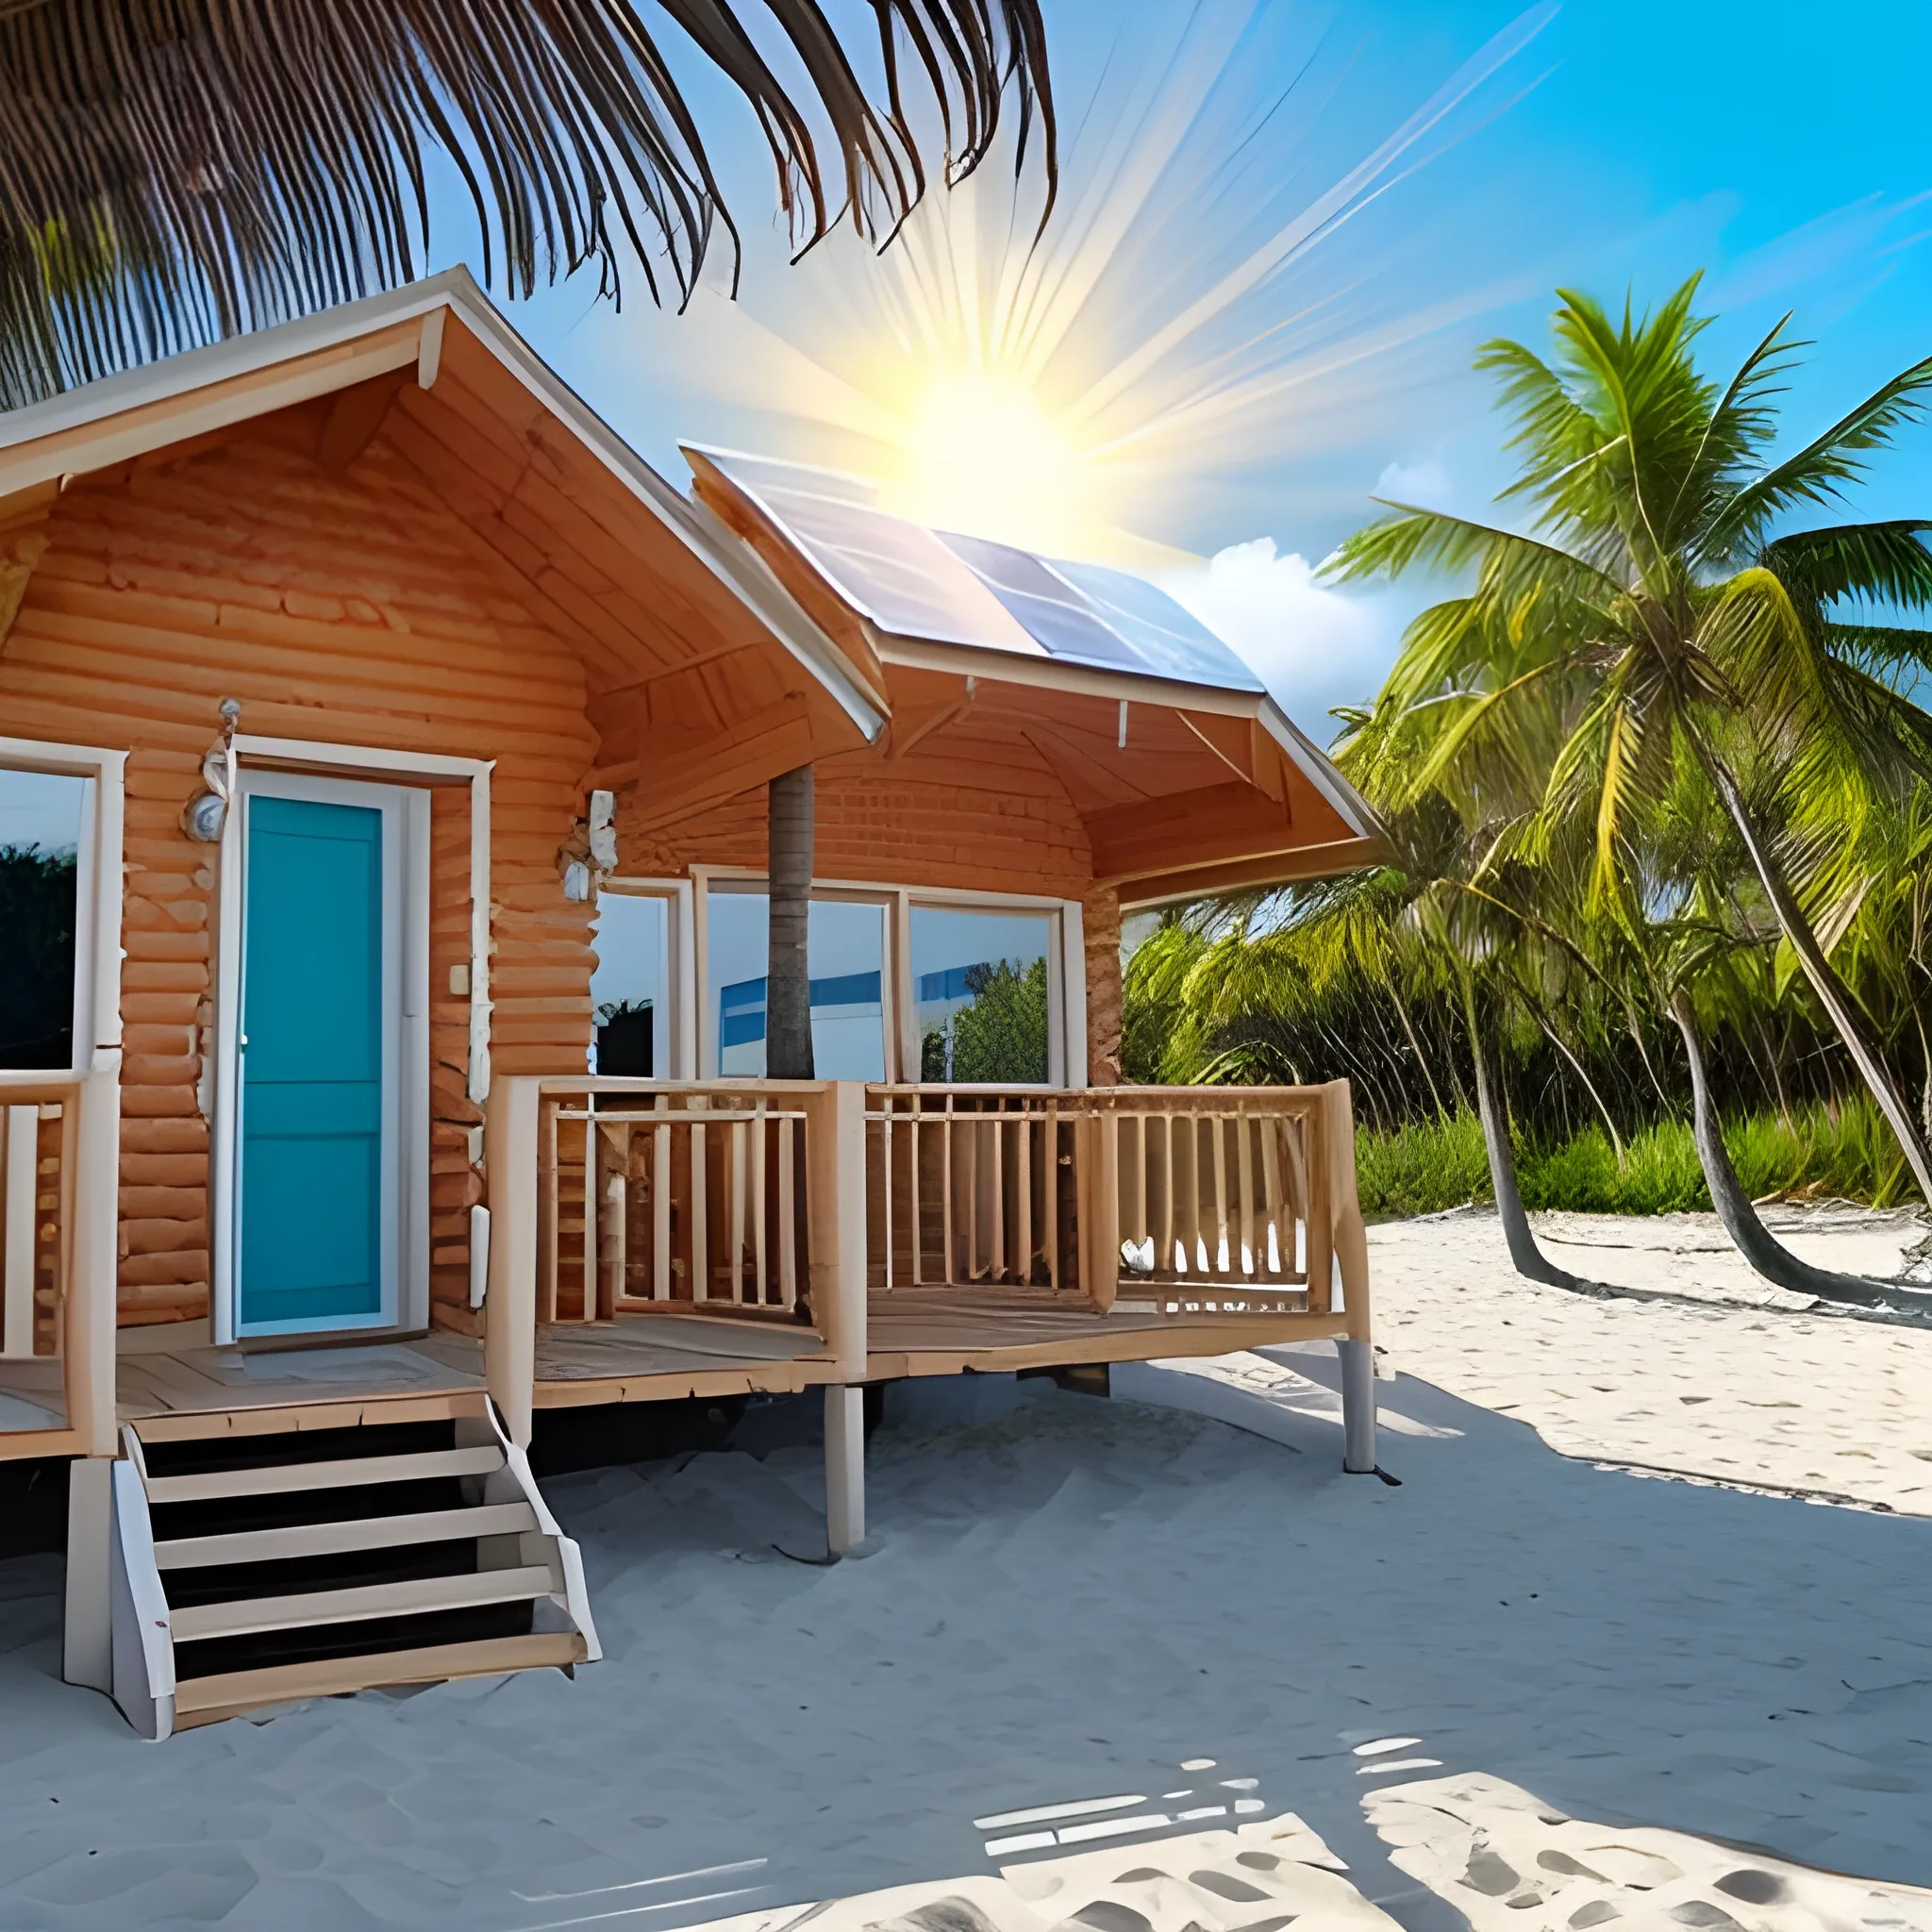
(170, 175)
(173, 174)
(1654, 602)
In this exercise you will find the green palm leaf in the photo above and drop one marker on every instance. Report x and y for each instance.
(172, 170)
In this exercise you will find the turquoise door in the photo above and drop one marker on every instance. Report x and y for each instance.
(316, 1243)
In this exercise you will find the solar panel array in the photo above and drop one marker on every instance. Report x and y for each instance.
(953, 589)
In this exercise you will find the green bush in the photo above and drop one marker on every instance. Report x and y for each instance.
(1843, 1152)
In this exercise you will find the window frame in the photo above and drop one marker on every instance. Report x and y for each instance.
(1066, 965)
(97, 900)
(681, 954)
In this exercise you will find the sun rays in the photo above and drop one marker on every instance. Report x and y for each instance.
(1205, 300)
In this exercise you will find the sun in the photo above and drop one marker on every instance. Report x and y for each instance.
(982, 458)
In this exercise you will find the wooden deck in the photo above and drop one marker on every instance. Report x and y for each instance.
(660, 1358)
(944, 1331)
(309, 1388)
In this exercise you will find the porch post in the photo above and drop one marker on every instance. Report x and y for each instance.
(836, 1235)
(92, 1144)
(1351, 1251)
(510, 1307)
(845, 1469)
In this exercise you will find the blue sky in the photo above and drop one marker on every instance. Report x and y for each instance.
(1783, 150)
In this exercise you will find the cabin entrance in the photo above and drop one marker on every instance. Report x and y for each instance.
(327, 999)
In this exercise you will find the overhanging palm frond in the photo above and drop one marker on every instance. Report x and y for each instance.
(1432, 540)
(1882, 563)
(173, 170)
(1820, 472)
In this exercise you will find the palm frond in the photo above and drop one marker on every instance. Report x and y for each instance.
(1432, 540)
(1819, 472)
(1881, 563)
(173, 170)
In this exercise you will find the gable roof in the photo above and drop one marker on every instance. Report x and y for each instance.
(205, 390)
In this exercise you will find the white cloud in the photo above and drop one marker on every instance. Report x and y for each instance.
(1424, 483)
(1311, 646)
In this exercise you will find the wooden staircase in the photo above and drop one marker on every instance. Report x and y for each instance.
(284, 1563)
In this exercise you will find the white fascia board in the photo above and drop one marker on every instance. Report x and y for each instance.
(1317, 768)
(1056, 673)
(143, 410)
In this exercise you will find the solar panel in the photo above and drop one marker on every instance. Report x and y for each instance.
(955, 589)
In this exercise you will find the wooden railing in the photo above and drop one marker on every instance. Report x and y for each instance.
(60, 1172)
(655, 1194)
(1190, 1197)
(745, 1198)
(36, 1215)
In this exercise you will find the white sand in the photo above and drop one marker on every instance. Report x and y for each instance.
(1774, 1395)
(1072, 1600)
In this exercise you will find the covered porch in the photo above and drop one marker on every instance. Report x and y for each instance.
(654, 1239)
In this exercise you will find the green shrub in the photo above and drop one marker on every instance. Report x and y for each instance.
(1422, 1168)
(1843, 1152)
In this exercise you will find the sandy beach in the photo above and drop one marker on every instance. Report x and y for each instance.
(1076, 1601)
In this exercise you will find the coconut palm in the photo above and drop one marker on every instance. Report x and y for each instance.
(1658, 602)
(174, 172)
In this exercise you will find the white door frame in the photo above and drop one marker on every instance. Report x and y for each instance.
(406, 1049)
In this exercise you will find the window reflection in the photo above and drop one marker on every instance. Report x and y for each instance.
(979, 982)
(845, 946)
(630, 991)
(39, 844)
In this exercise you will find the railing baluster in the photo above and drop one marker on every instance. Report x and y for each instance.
(1218, 1126)
(950, 1193)
(788, 1213)
(1023, 1199)
(1249, 1219)
(660, 1204)
(700, 1212)
(1279, 1252)
(916, 1136)
(554, 1239)
(759, 1206)
(734, 1156)
(594, 1163)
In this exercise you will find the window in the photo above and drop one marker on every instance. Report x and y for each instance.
(630, 990)
(845, 944)
(42, 816)
(982, 995)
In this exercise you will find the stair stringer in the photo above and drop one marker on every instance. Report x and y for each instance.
(143, 1638)
(515, 1482)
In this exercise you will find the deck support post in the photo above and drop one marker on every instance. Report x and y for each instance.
(844, 1468)
(1351, 1263)
(88, 1650)
(510, 1301)
(1358, 1407)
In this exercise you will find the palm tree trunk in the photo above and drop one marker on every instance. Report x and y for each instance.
(1494, 1108)
(1833, 995)
(787, 975)
(1766, 1254)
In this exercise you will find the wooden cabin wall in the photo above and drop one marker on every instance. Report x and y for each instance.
(979, 810)
(346, 606)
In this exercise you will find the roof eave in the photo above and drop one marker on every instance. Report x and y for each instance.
(203, 391)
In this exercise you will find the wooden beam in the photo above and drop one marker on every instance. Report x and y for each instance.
(1231, 741)
(1274, 869)
(352, 418)
(913, 727)
(1186, 829)
(749, 753)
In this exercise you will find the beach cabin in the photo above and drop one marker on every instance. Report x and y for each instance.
(384, 753)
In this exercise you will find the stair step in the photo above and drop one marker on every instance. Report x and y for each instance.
(357, 1533)
(280, 1479)
(245, 1616)
(206, 1700)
